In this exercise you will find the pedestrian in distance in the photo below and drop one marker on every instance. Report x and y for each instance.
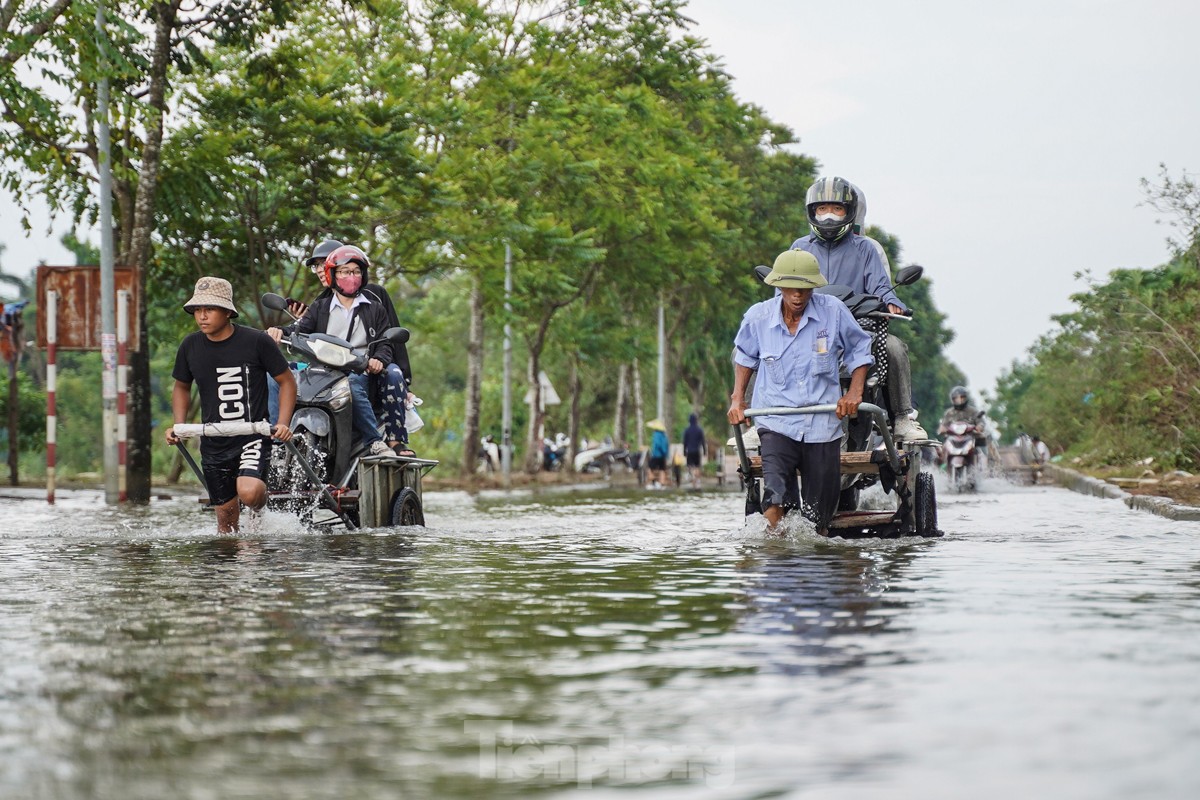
(229, 364)
(796, 341)
(693, 448)
(660, 448)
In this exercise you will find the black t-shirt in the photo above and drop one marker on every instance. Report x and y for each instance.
(231, 377)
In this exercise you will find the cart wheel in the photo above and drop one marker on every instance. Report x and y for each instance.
(926, 502)
(406, 509)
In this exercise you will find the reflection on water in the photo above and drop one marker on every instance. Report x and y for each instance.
(569, 644)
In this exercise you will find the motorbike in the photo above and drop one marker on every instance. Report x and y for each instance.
(605, 458)
(554, 452)
(488, 455)
(962, 456)
(322, 423)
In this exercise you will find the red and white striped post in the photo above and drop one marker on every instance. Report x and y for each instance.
(122, 383)
(51, 384)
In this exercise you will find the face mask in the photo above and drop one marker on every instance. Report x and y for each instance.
(349, 285)
(831, 217)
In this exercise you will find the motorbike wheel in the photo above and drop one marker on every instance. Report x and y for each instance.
(926, 505)
(406, 509)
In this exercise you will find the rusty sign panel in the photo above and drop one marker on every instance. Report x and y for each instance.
(78, 291)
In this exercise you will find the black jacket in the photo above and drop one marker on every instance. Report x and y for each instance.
(376, 316)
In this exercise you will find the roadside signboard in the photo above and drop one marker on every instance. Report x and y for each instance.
(78, 290)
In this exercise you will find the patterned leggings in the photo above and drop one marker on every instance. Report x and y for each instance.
(392, 393)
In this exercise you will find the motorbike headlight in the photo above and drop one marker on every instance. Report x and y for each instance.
(332, 354)
(337, 395)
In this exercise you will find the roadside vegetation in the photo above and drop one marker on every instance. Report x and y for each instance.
(1117, 382)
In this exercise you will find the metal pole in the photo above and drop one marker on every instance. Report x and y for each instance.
(662, 363)
(108, 335)
(506, 442)
(51, 389)
(122, 387)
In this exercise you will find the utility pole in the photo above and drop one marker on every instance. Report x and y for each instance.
(108, 326)
(662, 362)
(506, 420)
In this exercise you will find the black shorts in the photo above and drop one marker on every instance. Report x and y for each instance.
(820, 466)
(221, 475)
(693, 459)
(657, 463)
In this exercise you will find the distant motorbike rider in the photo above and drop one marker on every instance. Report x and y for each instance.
(960, 410)
(857, 261)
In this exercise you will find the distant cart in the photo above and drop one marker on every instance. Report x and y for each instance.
(388, 492)
(897, 470)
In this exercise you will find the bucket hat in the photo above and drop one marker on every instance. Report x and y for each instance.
(795, 269)
(215, 292)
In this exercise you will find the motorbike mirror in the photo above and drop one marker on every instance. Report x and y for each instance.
(274, 302)
(761, 272)
(396, 335)
(909, 275)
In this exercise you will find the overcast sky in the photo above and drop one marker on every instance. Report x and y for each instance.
(1002, 142)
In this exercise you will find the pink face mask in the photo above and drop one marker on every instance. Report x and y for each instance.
(348, 284)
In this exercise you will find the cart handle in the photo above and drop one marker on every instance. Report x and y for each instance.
(261, 428)
(830, 408)
(222, 429)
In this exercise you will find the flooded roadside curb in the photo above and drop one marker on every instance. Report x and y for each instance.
(1085, 484)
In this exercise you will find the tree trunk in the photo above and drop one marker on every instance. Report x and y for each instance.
(638, 410)
(13, 477)
(138, 458)
(621, 418)
(474, 380)
(533, 440)
(573, 422)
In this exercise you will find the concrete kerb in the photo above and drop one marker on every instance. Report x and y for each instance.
(1085, 484)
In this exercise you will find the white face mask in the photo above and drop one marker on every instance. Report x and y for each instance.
(831, 217)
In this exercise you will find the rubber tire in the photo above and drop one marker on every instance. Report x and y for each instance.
(926, 505)
(406, 509)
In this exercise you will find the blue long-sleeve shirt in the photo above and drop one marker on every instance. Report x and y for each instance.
(801, 369)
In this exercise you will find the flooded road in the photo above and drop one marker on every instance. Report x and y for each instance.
(601, 644)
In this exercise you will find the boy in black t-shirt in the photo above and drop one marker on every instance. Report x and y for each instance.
(229, 365)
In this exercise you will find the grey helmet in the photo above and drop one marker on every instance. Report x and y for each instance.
(317, 259)
(860, 218)
(956, 392)
(831, 190)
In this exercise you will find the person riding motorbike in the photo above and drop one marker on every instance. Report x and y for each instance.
(351, 315)
(390, 389)
(962, 411)
(857, 261)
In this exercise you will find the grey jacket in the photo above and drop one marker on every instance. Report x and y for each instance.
(853, 261)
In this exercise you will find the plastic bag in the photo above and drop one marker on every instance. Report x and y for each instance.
(412, 420)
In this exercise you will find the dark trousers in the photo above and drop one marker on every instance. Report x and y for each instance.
(820, 479)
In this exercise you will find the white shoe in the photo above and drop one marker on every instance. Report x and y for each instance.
(749, 439)
(909, 430)
(379, 448)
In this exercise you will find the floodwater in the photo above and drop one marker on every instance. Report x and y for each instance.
(600, 645)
